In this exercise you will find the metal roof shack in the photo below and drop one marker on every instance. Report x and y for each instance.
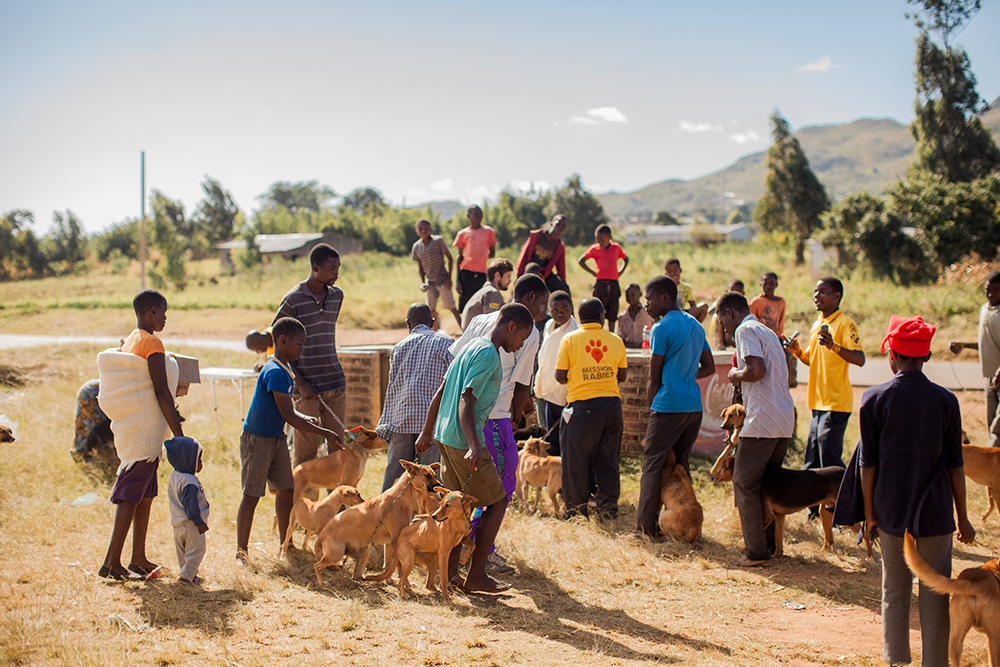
(289, 246)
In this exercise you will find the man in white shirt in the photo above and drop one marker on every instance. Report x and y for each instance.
(515, 389)
(762, 373)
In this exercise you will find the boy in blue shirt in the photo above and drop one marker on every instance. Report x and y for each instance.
(456, 419)
(263, 451)
(681, 356)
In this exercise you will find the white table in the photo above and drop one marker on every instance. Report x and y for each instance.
(236, 376)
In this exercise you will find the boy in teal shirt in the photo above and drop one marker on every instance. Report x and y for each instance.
(456, 419)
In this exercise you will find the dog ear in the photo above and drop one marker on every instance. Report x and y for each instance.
(411, 468)
(442, 490)
(469, 500)
(435, 466)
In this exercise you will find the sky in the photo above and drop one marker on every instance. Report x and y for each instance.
(428, 100)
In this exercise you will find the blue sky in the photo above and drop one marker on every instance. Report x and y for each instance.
(427, 100)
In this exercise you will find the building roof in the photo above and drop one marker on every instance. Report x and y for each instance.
(269, 243)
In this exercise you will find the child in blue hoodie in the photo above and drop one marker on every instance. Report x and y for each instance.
(188, 506)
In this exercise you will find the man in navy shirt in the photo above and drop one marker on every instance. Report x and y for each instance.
(911, 475)
(681, 355)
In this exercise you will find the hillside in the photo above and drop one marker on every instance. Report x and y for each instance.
(866, 154)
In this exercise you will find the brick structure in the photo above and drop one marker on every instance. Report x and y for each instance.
(366, 368)
(635, 407)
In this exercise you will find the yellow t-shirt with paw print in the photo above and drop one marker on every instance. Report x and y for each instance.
(592, 356)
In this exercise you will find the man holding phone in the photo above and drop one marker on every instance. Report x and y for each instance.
(833, 345)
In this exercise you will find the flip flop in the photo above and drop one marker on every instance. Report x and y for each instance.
(743, 561)
(144, 571)
(107, 573)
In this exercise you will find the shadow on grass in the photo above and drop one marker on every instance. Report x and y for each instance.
(176, 605)
(297, 570)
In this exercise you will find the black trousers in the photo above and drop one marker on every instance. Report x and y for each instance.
(590, 445)
(471, 282)
(609, 293)
(665, 432)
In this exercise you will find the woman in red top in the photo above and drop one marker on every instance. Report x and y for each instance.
(545, 248)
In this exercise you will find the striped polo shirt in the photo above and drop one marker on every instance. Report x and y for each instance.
(319, 364)
(431, 257)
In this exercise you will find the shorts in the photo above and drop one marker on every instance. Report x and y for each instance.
(136, 483)
(608, 292)
(439, 291)
(484, 484)
(264, 460)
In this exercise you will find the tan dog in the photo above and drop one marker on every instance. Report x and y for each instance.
(982, 466)
(681, 516)
(378, 520)
(431, 538)
(536, 469)
(5, 434)
(975, 600)
(314, 515)
(732, 421)
(325, 473)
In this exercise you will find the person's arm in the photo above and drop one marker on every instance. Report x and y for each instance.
(420, 270)
(868, 493)
(467, 417)
(424, 439)
(561, 261)
(957, 347)
(519, 401)
(451, 266)
(720, 335)
(966, 533)
(754, 372)
(300, 422)
(797, 352)
(856, 357)
(622, 374)
(157, 365)
(655, 377)
(624, 266)
(189, 501)
(706, 365)
(583, 265)
(562, 375)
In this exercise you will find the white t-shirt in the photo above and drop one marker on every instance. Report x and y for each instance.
(546, 386)
(517, 368)
(770, 410)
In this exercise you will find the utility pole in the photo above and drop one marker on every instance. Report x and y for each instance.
(142, 222)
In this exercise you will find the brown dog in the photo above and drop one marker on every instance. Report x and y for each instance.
(314, 515)
(431, 538)
(732, 421)
(975, 600)
(343, 466)
(982, 466)
(681, 516)
(5, 434)
(536, 469)
(378, 520)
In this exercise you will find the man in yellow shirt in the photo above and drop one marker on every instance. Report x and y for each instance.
(833, 344)
(591, 363)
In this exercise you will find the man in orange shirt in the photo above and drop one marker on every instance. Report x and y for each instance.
(476, 245)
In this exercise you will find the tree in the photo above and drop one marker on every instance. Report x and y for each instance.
(793, 197)
(951, 140)
(121, 236)
(216, 216)
(365, 201)
(304, 195)
(583, 209)
(68, 241)
(666, 218)
(168, 237)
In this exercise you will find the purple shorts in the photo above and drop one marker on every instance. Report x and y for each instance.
(136, 483)
(498, 437)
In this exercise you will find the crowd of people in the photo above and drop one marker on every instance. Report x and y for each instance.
(457, 401)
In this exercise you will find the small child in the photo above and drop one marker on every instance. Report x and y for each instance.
(188, 506)
(685, 293)
(261, 343)
(551, 396)
(722, 339)
(263, 451)
(634, 319)
(430, 253)
(606, 254)
(135, 486)
(770, 309)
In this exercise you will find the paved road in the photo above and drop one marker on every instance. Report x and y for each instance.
(953, 375)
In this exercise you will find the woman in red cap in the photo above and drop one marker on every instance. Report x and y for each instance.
(911, 476)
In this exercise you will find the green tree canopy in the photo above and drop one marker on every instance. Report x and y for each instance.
(365, 201)
(793, 197)
(583, 209)
(301, 196)
(217, 212)
(666, 218)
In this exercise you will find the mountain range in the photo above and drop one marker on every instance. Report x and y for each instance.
(866, 154)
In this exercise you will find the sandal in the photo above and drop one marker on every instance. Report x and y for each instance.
(144, 571)
(746, 561)
(107, 573)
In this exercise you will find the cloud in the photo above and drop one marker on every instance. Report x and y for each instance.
(481, 193)
(599, 115)
(443, 185)
(824, 64)
(745, 137)
(525, 187)
(698, 128)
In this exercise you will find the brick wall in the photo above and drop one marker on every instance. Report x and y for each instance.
(366, 370)
(635, 408)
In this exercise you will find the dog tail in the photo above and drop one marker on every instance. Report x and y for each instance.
(930, 577)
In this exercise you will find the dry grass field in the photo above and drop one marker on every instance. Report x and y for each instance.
(585, 593)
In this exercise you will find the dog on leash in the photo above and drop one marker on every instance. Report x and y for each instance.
(314, 515)
(431, 538)
(975, 600)
(343, 466)
(982, 466)
(378, 520)
(536, 469)
(732, 422)
(681, 516)
(5, 434)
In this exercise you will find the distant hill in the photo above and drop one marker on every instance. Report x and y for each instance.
(866, 154)
(445, 209)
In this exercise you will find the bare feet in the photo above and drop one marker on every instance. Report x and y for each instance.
(484, 584)
(745, 561)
